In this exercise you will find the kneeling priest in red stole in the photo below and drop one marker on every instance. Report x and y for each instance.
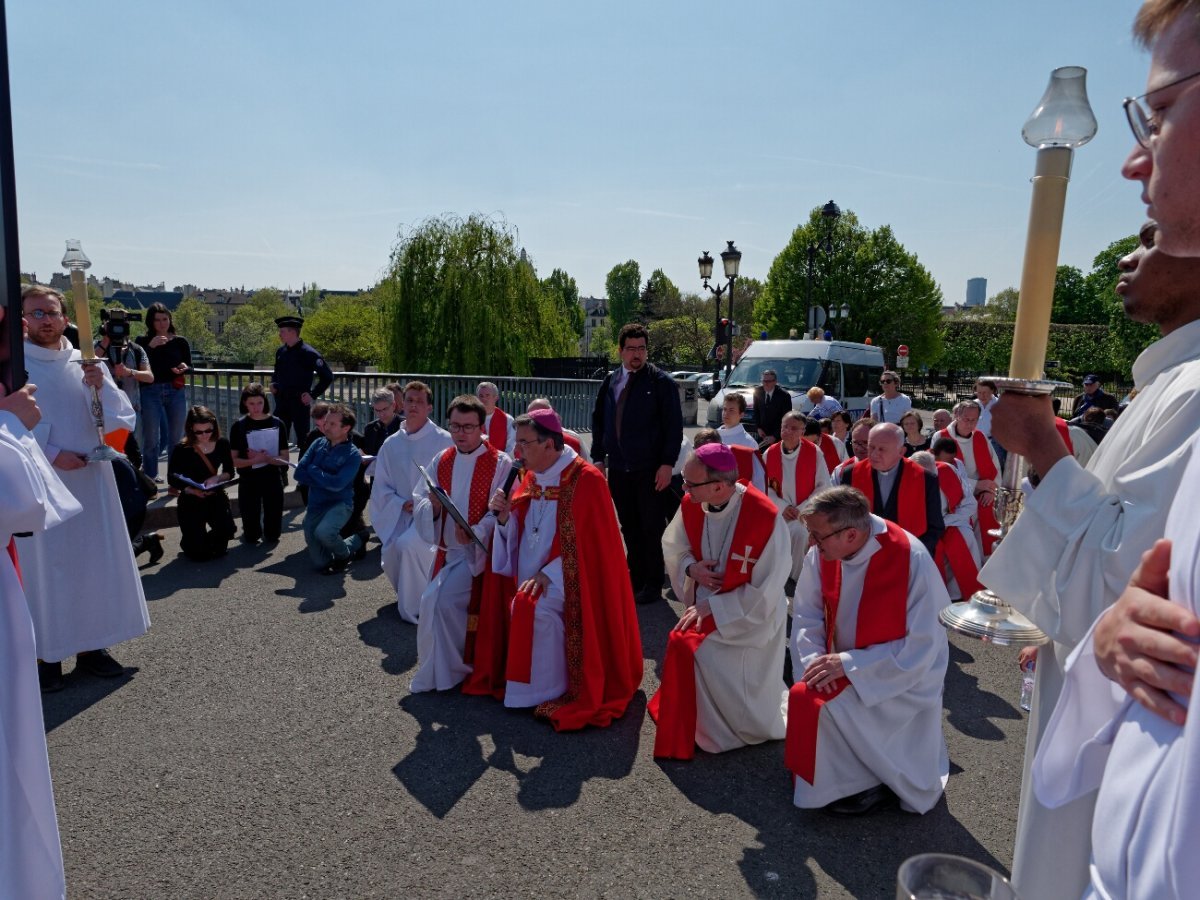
(865, 714)
(728, 554)
(574, 649)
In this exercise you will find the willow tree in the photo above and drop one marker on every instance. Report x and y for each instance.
(459, 297)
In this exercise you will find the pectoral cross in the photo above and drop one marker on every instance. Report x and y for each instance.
(744, 560)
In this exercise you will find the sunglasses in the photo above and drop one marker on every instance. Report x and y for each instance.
(202, 431)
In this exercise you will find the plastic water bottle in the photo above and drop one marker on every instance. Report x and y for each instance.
(1027, 686)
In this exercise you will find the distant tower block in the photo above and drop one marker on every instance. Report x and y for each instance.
(976, 291)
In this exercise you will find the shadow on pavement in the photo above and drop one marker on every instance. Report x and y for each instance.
(396, 638)
(970, 708)
(462, 737)
(82, 691)
(861, 854)
(655, 620)
(175, 571)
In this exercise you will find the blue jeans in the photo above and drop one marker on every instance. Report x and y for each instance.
(322, 533)
(158, 399)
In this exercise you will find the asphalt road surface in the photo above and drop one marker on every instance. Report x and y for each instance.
(265, 744)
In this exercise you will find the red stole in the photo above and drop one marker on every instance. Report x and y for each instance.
(910, 504)
(1064, 432)
(952, 548)
(497, 433)
(12, 552)
(481, 487)
(673, 707)
(882, 617)
(744, 457)
(982, 451)
(520, 628)
(829, 449)
(806, 469)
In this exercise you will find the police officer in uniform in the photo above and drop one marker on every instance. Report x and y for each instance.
(295, 364)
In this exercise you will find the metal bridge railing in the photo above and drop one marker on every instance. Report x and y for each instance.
(572, 399)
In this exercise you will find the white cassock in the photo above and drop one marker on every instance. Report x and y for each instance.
(583, 450)
(81, 579)
(32, 498)
(1077, 541)
(886, 726)
(797, 532)
(1146, 828)
(523, 560)
(963, 518)
(966, 446)
(1083, 448)
(510, 441)
(685, 447)
(406, 556)
(442, 622)
(739, 667)
(737, 436)
(839, 444)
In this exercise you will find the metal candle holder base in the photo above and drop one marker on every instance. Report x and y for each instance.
(985, 616)
(101, 452)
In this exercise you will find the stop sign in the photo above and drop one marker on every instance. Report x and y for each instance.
(902, 350)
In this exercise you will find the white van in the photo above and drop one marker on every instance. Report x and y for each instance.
(844, 370)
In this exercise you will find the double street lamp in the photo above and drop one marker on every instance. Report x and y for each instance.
(731, 259)
(830, 212)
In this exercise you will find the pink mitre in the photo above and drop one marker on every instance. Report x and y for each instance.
(717, 457)
(547, 419)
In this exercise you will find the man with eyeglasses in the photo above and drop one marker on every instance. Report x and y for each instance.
(891, 405)
(981, 462)
(574, 651)
(771, 404)
(860, 436)
(1082, 533)
(463, 593)
(637, 431)
(405, 555)
(728, 555)
(864, 724)
(69, 621)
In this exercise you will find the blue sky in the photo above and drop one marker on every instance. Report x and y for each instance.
(268, 143)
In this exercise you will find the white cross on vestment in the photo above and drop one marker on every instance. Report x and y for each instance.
(744, 560)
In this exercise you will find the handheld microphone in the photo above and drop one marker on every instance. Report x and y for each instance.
(509, 480)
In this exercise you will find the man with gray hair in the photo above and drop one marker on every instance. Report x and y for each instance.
(728, 555)
(570, 438)
(982, 465)
(497, 424)
(897, 489)
(864, 726)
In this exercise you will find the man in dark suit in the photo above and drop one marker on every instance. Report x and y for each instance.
(637, 431)
(771, 404)
(898, 489)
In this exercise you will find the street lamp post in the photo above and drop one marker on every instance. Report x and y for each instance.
(731, 259)
(830, 212)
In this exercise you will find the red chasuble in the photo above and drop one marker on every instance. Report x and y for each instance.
(1064, 432)
(497, 433)
(829, 450)
(604, 645)
(952, 548)
(910, 505)
(573, 442)
(744, 457)
(986, 469)
(806, 469)
(673, 707)
(882, 617)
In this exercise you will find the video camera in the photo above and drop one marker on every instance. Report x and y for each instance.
(115, 325)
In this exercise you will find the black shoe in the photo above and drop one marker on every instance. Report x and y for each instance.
(338, 565)
(154, 543)
(249, 541)
(50, 677)
(99, 663)
(864, 802)
(647, 595)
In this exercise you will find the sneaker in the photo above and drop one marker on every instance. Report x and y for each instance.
(158, 479)
(99, 663)
(50, 677)
(338, 565)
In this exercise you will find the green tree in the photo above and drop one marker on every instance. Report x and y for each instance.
(564, 294)
(882, 288)
(191, 321)
(1000, 307)
(250, 335)
(348, 329)
(1126, 337)
(746, 294)
(1075, 302)
(623, 284)
(457, 297)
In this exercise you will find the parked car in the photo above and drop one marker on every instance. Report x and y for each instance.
(844, 370)
(706, 386)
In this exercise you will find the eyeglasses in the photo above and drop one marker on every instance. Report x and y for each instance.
(630, 348)
(526, 443)
(1142, 121)
(202, 431)
(820, 540)
(888, 381)
(692, 485)
(40, 314)
(768, 381)
(858, 443)
(455, 428)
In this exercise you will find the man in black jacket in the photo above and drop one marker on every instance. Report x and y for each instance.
(637, 430)
(1093, 396)
(771, 404)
